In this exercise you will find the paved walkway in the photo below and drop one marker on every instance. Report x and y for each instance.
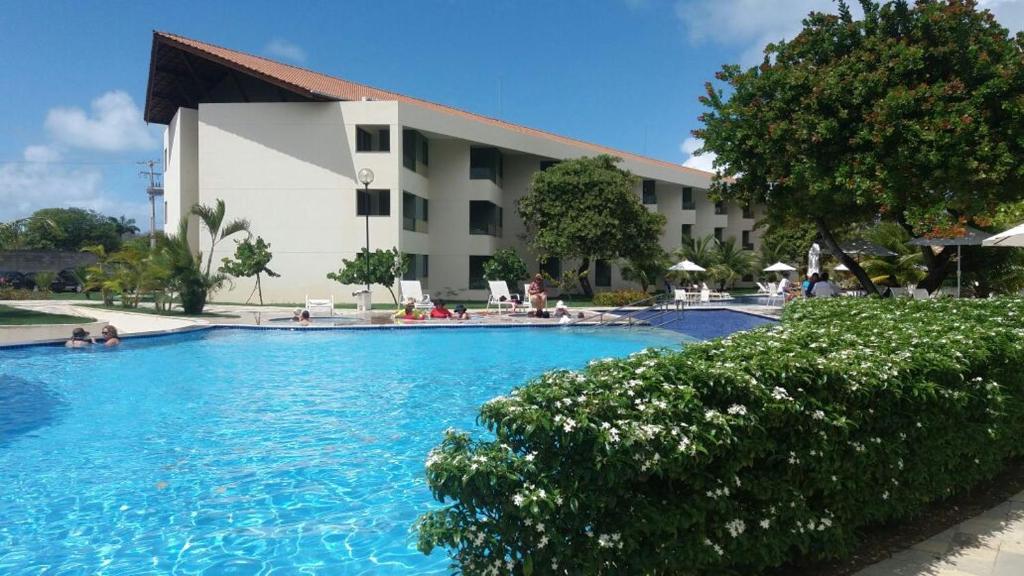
(991, 544)
(126, 322)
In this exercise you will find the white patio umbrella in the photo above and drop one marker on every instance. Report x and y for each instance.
(779, 267)
(1012, 237)
(841, 268)
(970, 237)
(687, 266)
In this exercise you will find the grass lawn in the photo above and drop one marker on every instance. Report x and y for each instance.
(19, 317)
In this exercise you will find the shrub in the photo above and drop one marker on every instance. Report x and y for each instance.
(618, 297)
(7, 293)
(738, 454)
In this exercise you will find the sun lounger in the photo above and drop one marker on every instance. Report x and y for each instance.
(500, 295)
(412, 290)
(320, 306)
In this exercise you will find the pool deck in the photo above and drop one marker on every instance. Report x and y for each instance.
(130, 323)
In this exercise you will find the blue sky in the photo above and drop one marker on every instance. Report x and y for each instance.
(623, 73)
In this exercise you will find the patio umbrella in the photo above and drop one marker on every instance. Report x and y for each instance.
(971, 237)
(779, 267)
(841, 268)
(1012, 237)
(687, 266)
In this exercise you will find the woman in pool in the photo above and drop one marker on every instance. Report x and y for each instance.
(461, 313)
(408, 313)
(79, 339)
(110, 337)
(304, 318)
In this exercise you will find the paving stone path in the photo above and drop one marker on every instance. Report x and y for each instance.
(991, 544)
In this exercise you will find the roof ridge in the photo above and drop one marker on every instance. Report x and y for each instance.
(398, 97)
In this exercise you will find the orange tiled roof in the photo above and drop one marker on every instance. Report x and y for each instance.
(315, 84)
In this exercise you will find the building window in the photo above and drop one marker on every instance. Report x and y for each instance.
(688, 203)
(718, 233)
(415, 150)
(373, 139)
(748, 211)
(414, 213)
(687, 233)
(747, 244)
(485, 218)
(486, 164)
(602, 273)
(476, 272)
(551, 267)
(373, 202)
(419, 268)
(545, 164)
(649, 195)
(720, 208)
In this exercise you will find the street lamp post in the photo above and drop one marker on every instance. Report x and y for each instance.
(366, 177)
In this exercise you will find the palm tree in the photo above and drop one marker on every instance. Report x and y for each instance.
(184, 269)
(730, 263)
(213, 220)
(124, 225)
(699, 250)
(904, 268)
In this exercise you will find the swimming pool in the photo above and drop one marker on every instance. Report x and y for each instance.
(244, 451)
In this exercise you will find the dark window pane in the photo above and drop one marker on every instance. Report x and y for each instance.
(718, 233)
(476, 272)
(602, 273)
(409, 149)
(379, 202)
(687, 232)
(649, 195)
(747, 244)
(364, 142)
(688, 203)
(552, 267)
(485, 164)
(384, 140)
(424, 150)
(485, 218)
(748, 212)
(545, 164)
(721, 208)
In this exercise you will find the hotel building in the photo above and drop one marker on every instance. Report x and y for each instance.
(282, 146)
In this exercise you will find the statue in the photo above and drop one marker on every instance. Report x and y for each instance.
(814, 259)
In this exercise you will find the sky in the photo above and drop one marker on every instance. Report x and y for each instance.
(621, 73)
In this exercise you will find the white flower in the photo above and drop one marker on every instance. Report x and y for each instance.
(542, 543)
(885, 495)
(735, 527)
(780, 393)
(818, 415)
(529, 457)
(737, 410)
(569, 424)
(518, 500)
(766, 523)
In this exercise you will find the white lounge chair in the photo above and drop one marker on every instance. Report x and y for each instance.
(777, 296)
(763, 289)
(715, 294)
(682, 298)
(500, 295)
(411, 289)
(320, 306)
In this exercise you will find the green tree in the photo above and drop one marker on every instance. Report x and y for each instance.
(386, 267)
(900, 270)
(507, 265)
(730, 263)
(251, 259)
(68, 229)
(186, 276)
(212, 218)
(124, 225)
(912, 112)
(645, 268)
(586, 208)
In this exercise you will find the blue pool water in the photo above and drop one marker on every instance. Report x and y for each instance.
(704, 324)
(242, 452)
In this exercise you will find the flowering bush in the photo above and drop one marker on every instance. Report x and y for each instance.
(738, 454)
(618, 297)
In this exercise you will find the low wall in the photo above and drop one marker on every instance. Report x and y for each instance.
(38, 333)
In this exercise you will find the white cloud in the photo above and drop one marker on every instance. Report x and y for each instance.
(281, 48)
(1010, 13)
(749, 25)
(41, 153)
(702, 162)
(115, 125)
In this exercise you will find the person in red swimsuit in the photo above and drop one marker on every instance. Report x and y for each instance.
(440, 311)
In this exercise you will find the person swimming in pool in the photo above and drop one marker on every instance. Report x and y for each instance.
(110, 337)
(79, 339)
(304, 318)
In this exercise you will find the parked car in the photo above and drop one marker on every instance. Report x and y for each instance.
(12, 279)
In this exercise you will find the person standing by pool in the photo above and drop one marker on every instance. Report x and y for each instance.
(110, 337)
(79, 339)
(538, 295)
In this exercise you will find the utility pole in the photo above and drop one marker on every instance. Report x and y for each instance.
(154, 189)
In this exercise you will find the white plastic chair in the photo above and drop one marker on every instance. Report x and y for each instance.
(499, 289)
(681, 299)
(705, 296)
(411, 289)
(320, 306)
(777, 296)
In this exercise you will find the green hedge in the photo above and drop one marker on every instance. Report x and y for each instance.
(619, 297)
(739, 454)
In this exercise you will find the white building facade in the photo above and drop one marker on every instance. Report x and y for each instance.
(445, 186)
